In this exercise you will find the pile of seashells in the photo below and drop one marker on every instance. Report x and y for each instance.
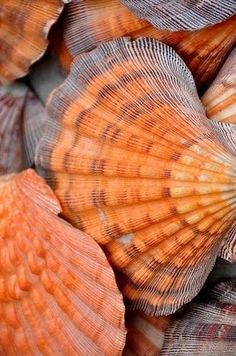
(118, 195)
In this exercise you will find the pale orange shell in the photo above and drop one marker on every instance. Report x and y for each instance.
(220, 98)
(136, 164)
(88, 23)
(12, 100)
(24, 27)
(58, 294)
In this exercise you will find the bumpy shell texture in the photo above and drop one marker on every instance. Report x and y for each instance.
(182, 14)
(12, 100)
(145, 334)
(136, 164)
(89, 23)
(57, 291)
(220, 98)
(24, 27)
(206, 327)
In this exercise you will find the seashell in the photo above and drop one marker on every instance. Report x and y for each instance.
(57, 290)
(20, 49)
(136, 164)
(220, 98)
(35, 117)
(228, 251)
(206, 327)
(182, 14)
(145, 335)
(12, 99)
(86, 26)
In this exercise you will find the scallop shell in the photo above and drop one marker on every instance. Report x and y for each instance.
(176, 15)
(145, 335)
(34, 120)
(19, 49)
(58, 293)
(136, 164)
(220, 98)
(89, 23)
(207, 327)
(12, 99)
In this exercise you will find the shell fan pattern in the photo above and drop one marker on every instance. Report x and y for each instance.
(89, 23)
(20, 49)
(206, 327)
(57, 290)
(176, 15)
(135, 163)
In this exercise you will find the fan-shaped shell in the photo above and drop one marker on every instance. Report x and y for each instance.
(145, 334)
(12, 99)
(206, 327)
(58, 293)
(89, 23)
(136, 164)
(23, 34)
(220, 98)
(175, 15)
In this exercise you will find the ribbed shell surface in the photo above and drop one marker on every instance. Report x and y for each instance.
(206, 327)
(136, 164)
(220, 98)
(58, 294)
(89, 23)
(175, 15)
(24, 27)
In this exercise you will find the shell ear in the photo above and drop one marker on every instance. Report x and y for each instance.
(220, 98)
(12, 100)
(20, 49)
(181, 15)
(206, 326)
(50, 275)
(136, 164)
(34, 121)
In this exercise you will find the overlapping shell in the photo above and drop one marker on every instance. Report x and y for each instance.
(220, 98)
(24, 27)
(178, 15)
(58, 294)
(12, 100)
(136, 164)
(89, 23)
(145, 334)
(206, 327)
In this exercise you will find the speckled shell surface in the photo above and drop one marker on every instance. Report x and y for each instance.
(24, 27)
(178, 15)
(57, 290)
(145, 334)
(136, 164)
(89, 23)
(12, 100)
(206, 327)
(220, 98)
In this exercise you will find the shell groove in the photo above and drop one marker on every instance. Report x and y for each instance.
(182, 14)
(57, 290)
(20, 49)
(220, 98)
(12, 99)
(89, 23)
(206, 327)
(136, 164)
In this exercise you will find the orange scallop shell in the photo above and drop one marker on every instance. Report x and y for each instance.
(175, 15)
(89, 23)
(136, 164)
(57, 291)
(220, 98)
(12, 100)
(24, 27)
(206, 327)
